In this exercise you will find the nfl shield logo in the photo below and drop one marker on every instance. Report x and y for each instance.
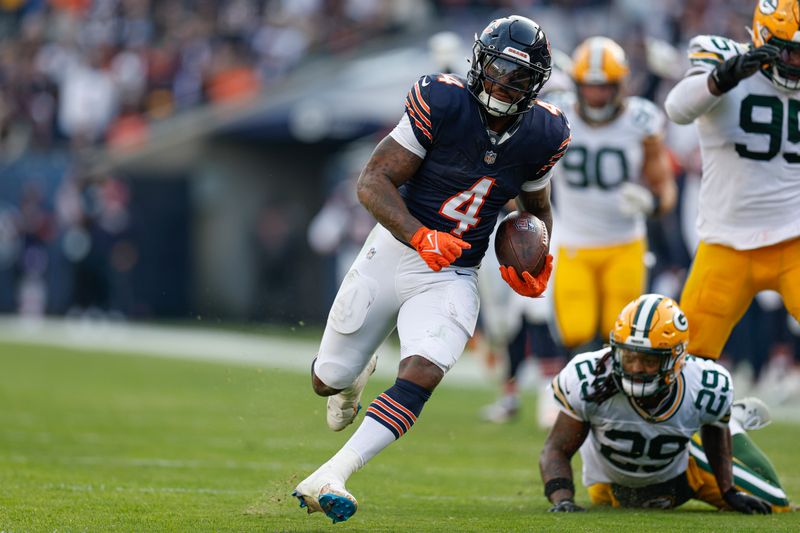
(489, 157)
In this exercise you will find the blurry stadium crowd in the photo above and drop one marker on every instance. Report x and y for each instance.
(100, 70)
(88, 73)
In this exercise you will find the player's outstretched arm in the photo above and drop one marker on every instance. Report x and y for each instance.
(563, 441)
(717, 445)
(389, 166)
(729, 73)
(697, 94)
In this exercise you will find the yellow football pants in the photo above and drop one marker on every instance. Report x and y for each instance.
(723, 282)
(704, 485)
(592, 285)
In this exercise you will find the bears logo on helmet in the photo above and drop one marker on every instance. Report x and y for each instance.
(511, 57)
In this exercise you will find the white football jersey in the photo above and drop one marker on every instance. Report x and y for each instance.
(628, 446)
(600, 158)
(750, 191)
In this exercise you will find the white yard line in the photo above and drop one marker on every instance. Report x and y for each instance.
(176, 342)
(196, 344)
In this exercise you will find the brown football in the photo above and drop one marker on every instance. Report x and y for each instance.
(522, 242)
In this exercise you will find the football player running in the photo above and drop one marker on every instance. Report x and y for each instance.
(634, 409)
(616, 174)
(744, 101)
(435, 184)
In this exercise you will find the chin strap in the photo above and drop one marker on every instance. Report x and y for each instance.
(495, 107)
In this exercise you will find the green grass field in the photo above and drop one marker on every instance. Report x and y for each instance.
(94, 442)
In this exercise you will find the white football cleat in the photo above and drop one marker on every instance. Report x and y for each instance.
(344, 406)
(751, 413)
(324, 493)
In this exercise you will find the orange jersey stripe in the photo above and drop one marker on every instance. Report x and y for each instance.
(410, 99)
(420, 99)
(419, 124)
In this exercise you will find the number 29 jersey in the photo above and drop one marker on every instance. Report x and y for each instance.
(750, 190)
(586, 183)
(468, 174)
(633, 448)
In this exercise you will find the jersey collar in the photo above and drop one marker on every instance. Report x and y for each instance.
(670, 407)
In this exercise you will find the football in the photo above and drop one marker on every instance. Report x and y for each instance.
(522, 242)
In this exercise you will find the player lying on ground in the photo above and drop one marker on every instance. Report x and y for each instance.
(633, 409)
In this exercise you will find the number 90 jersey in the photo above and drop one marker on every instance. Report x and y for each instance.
(600, 159)
(750, 191)
(468, 174)
(629, 446)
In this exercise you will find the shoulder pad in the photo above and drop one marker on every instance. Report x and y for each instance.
(571, 385)
(431, 98)
(646, 116)
(711, 387)
(708, 51)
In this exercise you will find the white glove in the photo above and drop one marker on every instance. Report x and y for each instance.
(635, 199)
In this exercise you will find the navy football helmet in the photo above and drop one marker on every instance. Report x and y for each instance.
(511, 57)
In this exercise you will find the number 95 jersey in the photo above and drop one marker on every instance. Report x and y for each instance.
(626, 444)
(750, 191)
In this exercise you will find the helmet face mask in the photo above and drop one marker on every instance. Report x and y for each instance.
(649, 342)
(510, 64)
(599, 62)
(777, 22)
(648, 382)
(599, 109)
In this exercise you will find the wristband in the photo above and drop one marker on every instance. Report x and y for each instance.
(557, 484)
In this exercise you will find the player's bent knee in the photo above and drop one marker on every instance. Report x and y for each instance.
(332, 376)
(420, 371)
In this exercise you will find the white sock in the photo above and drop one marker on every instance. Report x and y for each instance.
(370, 438)
(735, 427)
(343, 464)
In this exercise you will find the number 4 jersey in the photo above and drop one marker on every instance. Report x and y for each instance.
(750, 191)
(629, 446)
(468, 173)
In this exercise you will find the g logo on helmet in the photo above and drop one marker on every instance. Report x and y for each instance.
(681, 324)
(767, 7)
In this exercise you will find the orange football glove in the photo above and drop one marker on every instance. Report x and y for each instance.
(437, 248)
(528, 285)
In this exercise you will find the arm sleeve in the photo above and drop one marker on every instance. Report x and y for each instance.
(403, 133)
(689, 99)
(538, 184)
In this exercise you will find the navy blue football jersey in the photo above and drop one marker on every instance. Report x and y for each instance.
(466, 178)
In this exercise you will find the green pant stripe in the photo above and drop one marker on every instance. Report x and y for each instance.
(766, 491)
